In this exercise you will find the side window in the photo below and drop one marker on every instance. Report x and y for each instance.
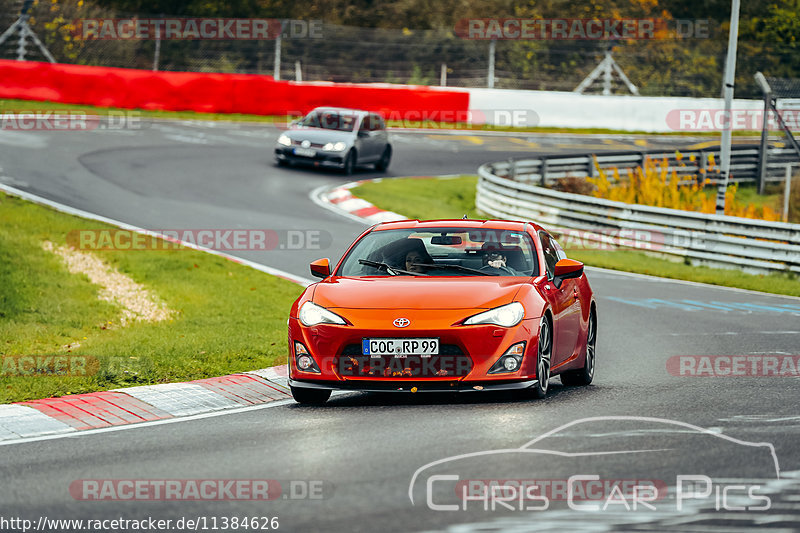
(550, 253)
(374, 123)
(559, 250)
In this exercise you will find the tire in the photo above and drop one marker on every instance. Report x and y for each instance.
(585, 375)
(282, 162)
(310, 396)
(544, 355)
(386, 158)
(349, 163)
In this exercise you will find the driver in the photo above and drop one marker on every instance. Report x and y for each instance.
(495, 260)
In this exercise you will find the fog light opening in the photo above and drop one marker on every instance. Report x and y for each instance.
(510, 363)
(303, 359)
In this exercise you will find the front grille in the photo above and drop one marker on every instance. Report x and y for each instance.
(451, 362)
(313, 145)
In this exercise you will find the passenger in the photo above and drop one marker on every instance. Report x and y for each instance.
(416, 257)
(407, 253)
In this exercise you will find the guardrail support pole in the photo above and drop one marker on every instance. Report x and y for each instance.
(786, 189)
(512, 169)
(490, 73)
(763, 154)
(543, 172)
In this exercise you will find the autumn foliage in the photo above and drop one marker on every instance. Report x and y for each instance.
(655, 185)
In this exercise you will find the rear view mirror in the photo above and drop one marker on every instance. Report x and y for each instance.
(446, 240)
(566, 269)
(321, 268)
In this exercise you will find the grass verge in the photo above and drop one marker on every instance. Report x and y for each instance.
(230, 318)
(448, 197)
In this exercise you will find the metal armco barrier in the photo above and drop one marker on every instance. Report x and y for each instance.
(754, 246)
(744, 164)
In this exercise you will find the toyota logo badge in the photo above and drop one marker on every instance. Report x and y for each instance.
(305, 144)
(401, 322)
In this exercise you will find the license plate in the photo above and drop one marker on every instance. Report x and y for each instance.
(378, 347)
(305, 152)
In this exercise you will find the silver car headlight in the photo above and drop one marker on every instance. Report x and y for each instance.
(505, 315)
(284, 140)
(334, 147)
(312, 314)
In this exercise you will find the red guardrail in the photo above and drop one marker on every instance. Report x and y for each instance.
(213, 93)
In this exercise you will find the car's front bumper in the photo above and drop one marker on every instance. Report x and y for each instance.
(324, 159)
(465, 360)
(414, 386)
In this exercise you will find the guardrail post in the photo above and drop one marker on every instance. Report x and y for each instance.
(590, 166)
(786, 188)
(512, 169)
(704, 164)
(543, 171)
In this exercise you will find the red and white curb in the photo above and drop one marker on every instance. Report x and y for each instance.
(52, 416)
(340, 200)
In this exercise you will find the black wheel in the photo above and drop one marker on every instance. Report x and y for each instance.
(544, 355)
(310, 396)
(386, 158)
(349, 163)
(282, 162)
(584, 376)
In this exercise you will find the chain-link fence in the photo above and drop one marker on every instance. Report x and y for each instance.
(688, 66)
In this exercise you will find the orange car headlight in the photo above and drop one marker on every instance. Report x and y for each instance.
(505, 315)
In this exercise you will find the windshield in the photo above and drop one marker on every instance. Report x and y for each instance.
(442, 252)
(329, 120)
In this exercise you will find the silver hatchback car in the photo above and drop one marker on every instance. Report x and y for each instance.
(336, 137)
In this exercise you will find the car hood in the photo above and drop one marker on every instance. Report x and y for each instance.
(319, 135)
(409, 292)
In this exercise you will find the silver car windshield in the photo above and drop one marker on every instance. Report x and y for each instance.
(442, 252)
(329, 120)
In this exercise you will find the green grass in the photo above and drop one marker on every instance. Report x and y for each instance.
(10, 105)
(433, 198)
(230, 318)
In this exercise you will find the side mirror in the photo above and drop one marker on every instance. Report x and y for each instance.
(363, 133)
(566, 269)
(321, 268)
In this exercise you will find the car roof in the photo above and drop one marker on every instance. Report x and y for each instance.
(511, 225)
(341, 110)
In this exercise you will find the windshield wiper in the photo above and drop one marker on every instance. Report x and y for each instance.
(392, 271)
(454, 267)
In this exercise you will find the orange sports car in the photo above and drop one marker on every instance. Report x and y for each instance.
(444, 305)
